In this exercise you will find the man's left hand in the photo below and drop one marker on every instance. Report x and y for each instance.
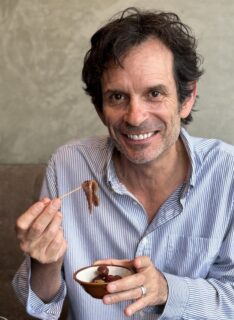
(148, 286)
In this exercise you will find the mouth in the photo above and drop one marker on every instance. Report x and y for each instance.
(141, 136)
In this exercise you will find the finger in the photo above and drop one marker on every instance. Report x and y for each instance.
(127, 283)
(62, 250)
(45, 200)
(52, 229)
(42, 222)
(136, 306)
(142, 262)
(132, 294)
(39, 244)
(26, 219)
(119, 262)
(56, 248)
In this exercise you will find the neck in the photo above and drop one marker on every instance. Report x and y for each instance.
(159, 172)
(152, 183)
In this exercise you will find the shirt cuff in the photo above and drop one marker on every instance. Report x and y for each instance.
(178, 295)
(46, 311)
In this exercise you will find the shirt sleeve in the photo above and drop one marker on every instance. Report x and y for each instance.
(211, 298)
(21, 282)
(34, 305)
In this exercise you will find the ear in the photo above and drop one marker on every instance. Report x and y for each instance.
(189, 101)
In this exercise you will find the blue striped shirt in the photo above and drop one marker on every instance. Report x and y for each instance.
(191, 238)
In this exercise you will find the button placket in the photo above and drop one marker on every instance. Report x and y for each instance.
(143, 247)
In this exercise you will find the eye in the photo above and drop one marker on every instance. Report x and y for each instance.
(116, 98)
(154, 94)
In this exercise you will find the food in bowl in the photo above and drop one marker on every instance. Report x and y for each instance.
(104, 276)
(87, 277)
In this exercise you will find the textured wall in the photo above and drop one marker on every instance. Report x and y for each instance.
(42, 44)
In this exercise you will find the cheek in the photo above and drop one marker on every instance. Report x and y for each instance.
(111, 118)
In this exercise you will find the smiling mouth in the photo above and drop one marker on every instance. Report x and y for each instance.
(142, 136)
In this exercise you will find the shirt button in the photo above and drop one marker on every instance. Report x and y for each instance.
(145, 241)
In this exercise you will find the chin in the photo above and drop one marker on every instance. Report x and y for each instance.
(138, 157)
(141, 159)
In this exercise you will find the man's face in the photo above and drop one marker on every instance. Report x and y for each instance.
(140, 103)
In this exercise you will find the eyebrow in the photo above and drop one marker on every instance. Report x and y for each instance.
(111, 91)
(159, 87)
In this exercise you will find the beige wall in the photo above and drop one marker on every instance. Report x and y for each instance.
(42, 44)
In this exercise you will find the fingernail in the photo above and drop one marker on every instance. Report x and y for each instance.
(129, 312)
(45, 200)
(56, 203)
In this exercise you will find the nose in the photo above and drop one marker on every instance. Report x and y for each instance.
(135, 113)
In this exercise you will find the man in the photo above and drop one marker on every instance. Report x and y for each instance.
(166, 198)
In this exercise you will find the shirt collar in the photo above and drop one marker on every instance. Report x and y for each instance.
(112, 179)
(189, 146)
(111, 176)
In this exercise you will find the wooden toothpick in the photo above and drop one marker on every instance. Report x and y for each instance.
(70, 192)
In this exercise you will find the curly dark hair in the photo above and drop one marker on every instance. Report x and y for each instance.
(130, 28)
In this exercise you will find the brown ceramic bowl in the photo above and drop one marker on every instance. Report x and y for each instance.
(85, 276)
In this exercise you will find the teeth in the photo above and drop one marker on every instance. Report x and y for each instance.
(140, 136)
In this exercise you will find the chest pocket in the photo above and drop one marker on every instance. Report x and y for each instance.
(191, 256)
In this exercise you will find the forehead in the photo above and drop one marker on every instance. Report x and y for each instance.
(150, 61)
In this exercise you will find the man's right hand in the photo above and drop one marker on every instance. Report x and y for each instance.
(39, 232)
